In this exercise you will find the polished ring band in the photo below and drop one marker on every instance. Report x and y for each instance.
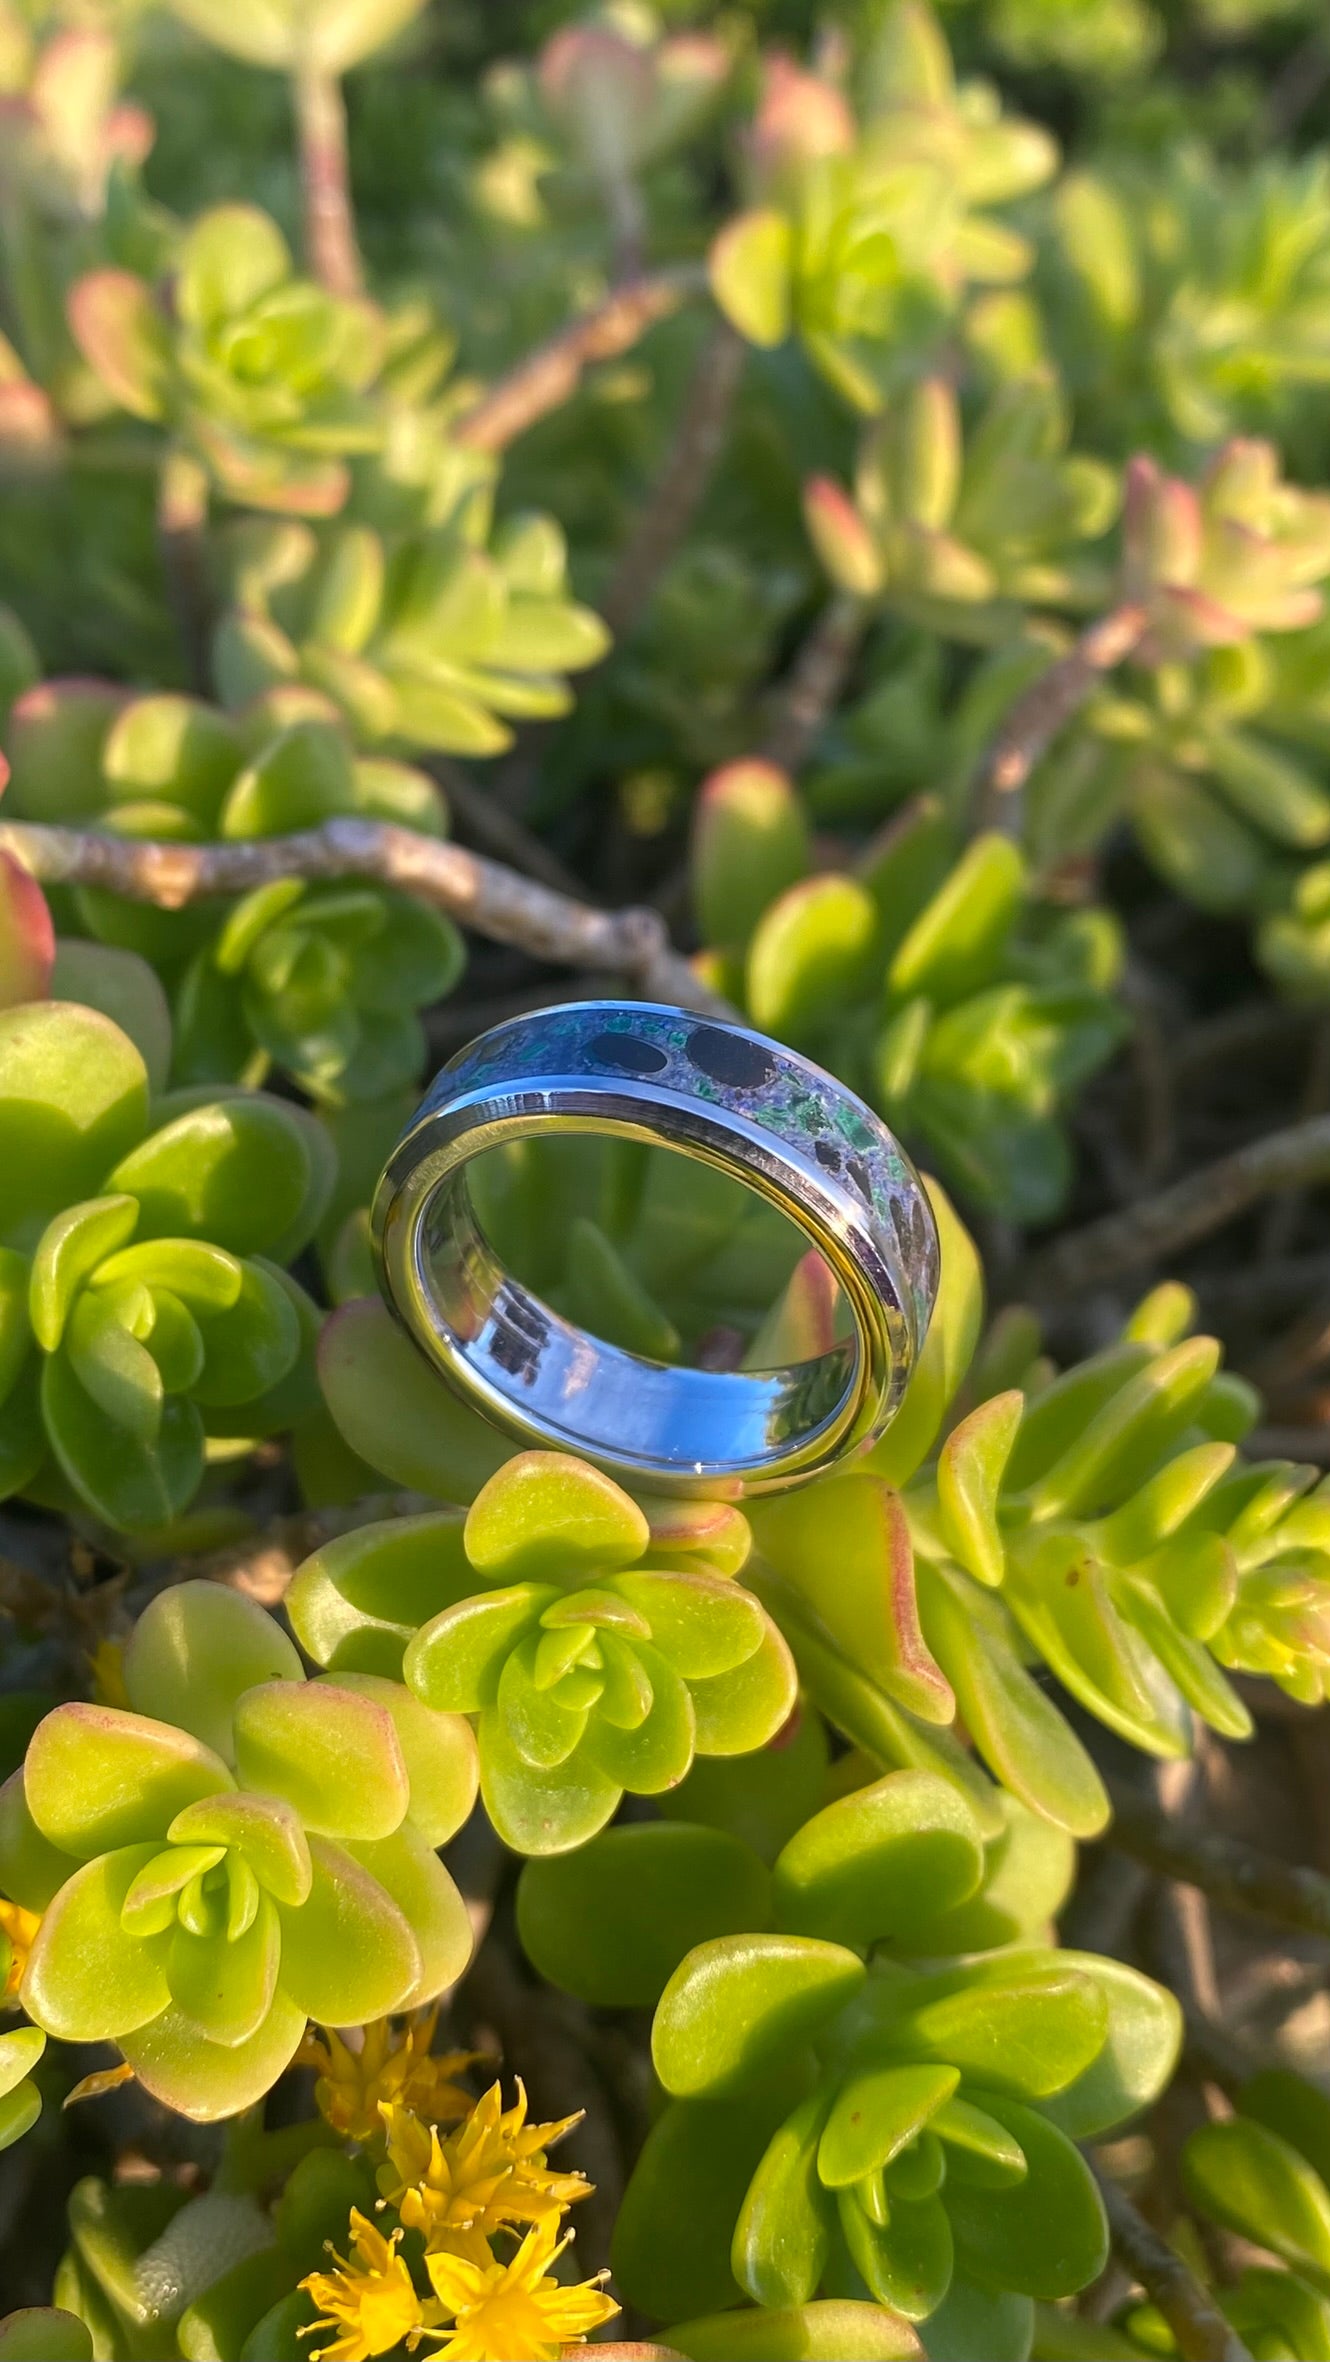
(710, 1090)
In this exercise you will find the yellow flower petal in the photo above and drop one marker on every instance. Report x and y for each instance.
(514, 2312)
(371, 2302)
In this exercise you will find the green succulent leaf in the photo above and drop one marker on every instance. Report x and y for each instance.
(357, 1602)
(611, 1922)
(87, 1980)
(750, 275)
(456, 1662)
(73, 1100)
(96, 1778)
(831, 2329)
(205, 2080)
(398, 1414)
(546, 1518)
(44, 2333)
(672, 2239)
(1137, 2059)
(1045, 2236)
(330, 1753)
(844, 1547)
(438, 1750)
(545, 1812)
(193, 1652)
(866, 1867)
(739, 2004)
(877, 2113)
(783, 2236)
(239, 1174)
(408, 1871)
(1254, 2181)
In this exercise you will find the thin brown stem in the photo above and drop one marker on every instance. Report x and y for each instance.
(1232, 1873)
(498, 831)
(1293, 1158)
(325, 179)
(1311, 1444)
(1045, 708)
(1201, 2332)
(182, 520)
(1183, 1934)
(1251, 1029)
(480, 894)
(1297, 86)
(1153, 1070)
(1283, 1214)
(687, 470)
(817, 677)
(551, 375)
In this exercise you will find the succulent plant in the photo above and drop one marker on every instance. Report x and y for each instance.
(163, 2267)
(859, 2128)
(321, 983)
(258, 375)
(1100, 1522)
(937, 986)
(864, 238)
(1211, 322)
(1259, 2174)
(436, 640)
(956, 530)
(600, 1649)
(146, 1303)
(209, 1881)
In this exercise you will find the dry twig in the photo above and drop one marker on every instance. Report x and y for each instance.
(816, 679)
(1231, 1872)
(1155, 1226)
(325, 181)
(1202, 2333)
(689, 463)
(1046, 707)
(480, 894)
(551, 375)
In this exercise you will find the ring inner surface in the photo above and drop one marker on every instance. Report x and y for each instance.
(599, 1398)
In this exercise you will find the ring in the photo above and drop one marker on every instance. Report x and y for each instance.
(732, 1099)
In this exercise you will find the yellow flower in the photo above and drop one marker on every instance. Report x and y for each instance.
(20, 1928)
(514, 2312)
(489, 2173)
(391, 2065)
(370, 2303)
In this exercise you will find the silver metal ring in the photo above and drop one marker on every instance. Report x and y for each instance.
(736, 1101)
